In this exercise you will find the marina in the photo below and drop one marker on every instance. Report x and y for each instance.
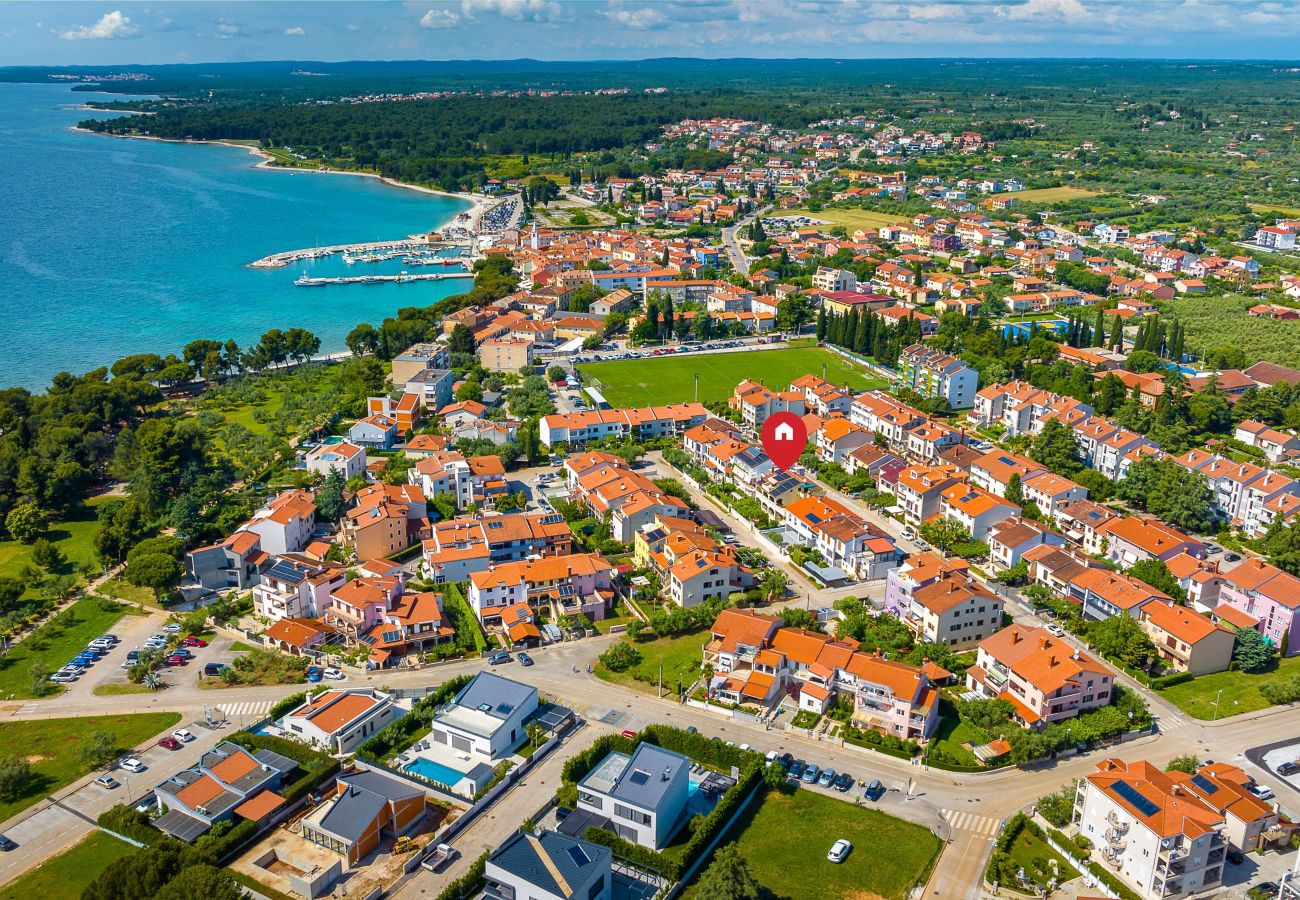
(373, 251)
(400, 278)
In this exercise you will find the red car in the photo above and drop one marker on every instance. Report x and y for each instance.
(170, 743)
(193, 642)
(174, 661)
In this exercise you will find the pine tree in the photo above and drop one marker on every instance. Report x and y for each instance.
(1099, 329)
(821, 325)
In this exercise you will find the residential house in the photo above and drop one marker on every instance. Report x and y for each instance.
(217, 787)
(385, 519)
(1132, 539)
(377, 432)
(285, 523)
(547, 865)
(975, 509)
(1186, 640)
(235, 562)
(642, 796)
(486, 719)
(1045, 679)
(337, 720)
(1269, 595)
(1012, 538)
(366, 807)
(347, 459)
(297, 587)
(578, 583)
(1103, 593)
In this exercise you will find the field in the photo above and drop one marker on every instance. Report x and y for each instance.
(646, 382)
(72, 538)
(1222, 321)
(1240, 691)
(679, 656)
(51, 748)
(786, 835)
(849, 218)
(56, 642)
(65, 876)
(1267, 208)
(1049, 195)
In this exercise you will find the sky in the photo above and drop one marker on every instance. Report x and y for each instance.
(120, 32)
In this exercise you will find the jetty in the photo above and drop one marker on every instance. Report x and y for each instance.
(306, 281)
(413, 244)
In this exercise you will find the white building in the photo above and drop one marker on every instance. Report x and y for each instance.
(285, 523)
(643, 796)
(339, 720)
(486, 720)
(343, 457)
(297, 587)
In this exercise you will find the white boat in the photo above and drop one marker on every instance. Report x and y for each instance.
(305, 281)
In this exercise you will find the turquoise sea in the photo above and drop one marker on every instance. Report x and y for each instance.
(111, 246)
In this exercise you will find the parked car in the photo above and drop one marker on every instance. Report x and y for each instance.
(107, 781)
(63, 678)
(6, 844)
(1288, 769)
(133, 656)
(193, 641)
(441, 855)
(785, 759)
(810, 774)
(1262, 791)
(334, 674)
(183, 652)
(214, 670)
(839, 850)
(524, 659)
(170, 743)
(497, 659)
(182, 735)
(826, 778)
(875, 790)
(173, 660)
(843, 782)
(172, 628)
(795, 769)
(1055, 630)
(146, 803)
(314, 674)
(131, 764)
(1232, 557)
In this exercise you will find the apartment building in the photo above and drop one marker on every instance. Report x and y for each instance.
(1186, 640)
(1103, 593)
(1043, 677)
(385, 519)
(919, 490)
(1131, 539)
(296, 587)
(975, 509)
(578, 583)
(933, 374)
(285, 523)
(645, 422)
(461, 546)
(946, 608)
(756, 403)
(993, 470)
(1270, 596)
(347, 459)
(845, 540)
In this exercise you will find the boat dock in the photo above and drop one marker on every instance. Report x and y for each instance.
(306, 281)
(398, 247)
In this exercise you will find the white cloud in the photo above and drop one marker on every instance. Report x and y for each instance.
(296, 31)
(227, 30)
(110, 25)
(637, 18)
(1069, 10)
(439, 18)
(519, 10)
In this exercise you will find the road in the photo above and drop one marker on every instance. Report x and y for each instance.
(739, 262)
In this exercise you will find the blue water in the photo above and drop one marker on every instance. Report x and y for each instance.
(434, 771)
(111, 246)
(1022, 329)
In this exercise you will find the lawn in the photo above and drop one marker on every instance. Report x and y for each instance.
(952, 733)
(680, 656)
(849, 218)
(1266, 208)
(1240, 691)
(786, 835)
(1049, 195)
(128, 593)
(65, 876)
(50, 746)
(1033, 854)
(72, 538)
(56, 642)
(671, 379)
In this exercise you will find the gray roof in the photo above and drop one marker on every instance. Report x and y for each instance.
(385, 786)
(645, 777)
(352, 814)
(280, 763)
(180, 825)
(576, 860)
(494, 695)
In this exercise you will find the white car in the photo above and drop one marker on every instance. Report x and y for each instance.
(172, 628)
(1055, 630)
(334, 674)
(182, 735)
(1261, 791)
(131, 764)
(839, 850)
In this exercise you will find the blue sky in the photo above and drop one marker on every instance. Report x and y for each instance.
(116, 32)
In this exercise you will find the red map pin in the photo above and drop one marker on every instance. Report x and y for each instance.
(784, 438)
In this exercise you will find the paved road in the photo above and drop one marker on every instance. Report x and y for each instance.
(730, 243)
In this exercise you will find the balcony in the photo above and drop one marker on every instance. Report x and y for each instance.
(995, 678)
(1173, 854)
(1115, 840)
(1120, 826)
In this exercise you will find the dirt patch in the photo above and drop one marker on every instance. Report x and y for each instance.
(36, 758)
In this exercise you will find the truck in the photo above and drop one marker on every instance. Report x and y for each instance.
(441, 855)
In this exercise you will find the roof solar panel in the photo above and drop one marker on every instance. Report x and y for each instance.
(1140, 803)
(1204, 784)
(579, 856)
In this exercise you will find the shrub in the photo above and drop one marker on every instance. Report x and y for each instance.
(224, 846)
(127, 822)
(1120, 889)
(620, 657)
(635, 853)
(287, 705)
(1283, 690)
(467, 885)
(1167, 681)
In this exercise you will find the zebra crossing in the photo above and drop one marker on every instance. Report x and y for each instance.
(247, 709)
(965, 821)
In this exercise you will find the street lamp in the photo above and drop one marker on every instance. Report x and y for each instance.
(1217, 698)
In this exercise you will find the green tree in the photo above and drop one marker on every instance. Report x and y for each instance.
(204, 881)
(774, 584)
(27, 522)
(729, 877)
(362, 339)
(1252, 653)
(46, 555)
(15, 774)
(945, 533)
(330, 505)
(1187, 763)
(461, 339)
(98, 749)
(141, 874)
(156, 571)
(1155, 573)
(1015, 490)
(39, 674)
(1056, 448)
(1122, 638)
(795, 617)
(620, 657)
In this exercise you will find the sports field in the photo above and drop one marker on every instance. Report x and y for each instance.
(1049, 195)
(671, 379)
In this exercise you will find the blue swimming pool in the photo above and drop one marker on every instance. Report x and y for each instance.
(434, 771)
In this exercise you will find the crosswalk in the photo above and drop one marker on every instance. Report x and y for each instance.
(965, 821)
(247, 709)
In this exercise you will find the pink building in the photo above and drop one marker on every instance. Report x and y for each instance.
(1270, 595)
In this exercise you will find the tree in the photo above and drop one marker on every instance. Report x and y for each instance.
(157, 571)
(1015, 490)
(794, 617)
(1187, 763)
(329, 500)
(142, 874)
(1252, 653)
(15, 772)
(461, 340)
(1056, 448)
(1122, 638)
(99, 749)
(26, 522)
(945, 533)
(46, 555)
(774, 584)
(204, 881)
(621, 657)
(39, 673)
(729, 877)
(362, 339)
(1155, 573)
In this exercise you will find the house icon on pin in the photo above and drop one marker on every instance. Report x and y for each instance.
(783, 432)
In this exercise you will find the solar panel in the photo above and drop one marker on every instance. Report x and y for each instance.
(639, 777)
(1204, 784)
(391, 636)
(285, 571)
(579, 856)
(1140, 803)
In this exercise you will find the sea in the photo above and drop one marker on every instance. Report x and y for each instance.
(112, 246)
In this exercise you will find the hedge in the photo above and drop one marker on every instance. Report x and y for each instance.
(1120, 888)
(469, 884)
(401, 733)
(1068, 845)
(127, 822)
(287, 705)
(718, 818)
(1168, 681)
(228, 845)
(316, 766)
(634, 853)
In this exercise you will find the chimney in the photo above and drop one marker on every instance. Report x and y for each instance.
(1016, 638)
(1042, 643)
(1052, 662)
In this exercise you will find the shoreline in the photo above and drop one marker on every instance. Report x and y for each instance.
(478, 204)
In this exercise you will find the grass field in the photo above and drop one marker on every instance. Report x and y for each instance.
(671, 379)
(56, 642)
(50, 746)
(72, 538)
(849, 218)
(680, 657)
(1033, 854)
(1049, 195)
(786, 835)
(1266, 208)
(128, 593)
(1240, 691)
(65, 876)
(952, 733)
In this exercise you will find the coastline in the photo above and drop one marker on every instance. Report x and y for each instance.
(478, 204)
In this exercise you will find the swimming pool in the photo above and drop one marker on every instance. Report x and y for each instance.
(434, 771)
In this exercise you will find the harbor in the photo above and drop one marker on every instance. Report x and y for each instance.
(409, 246)
(400, 278)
